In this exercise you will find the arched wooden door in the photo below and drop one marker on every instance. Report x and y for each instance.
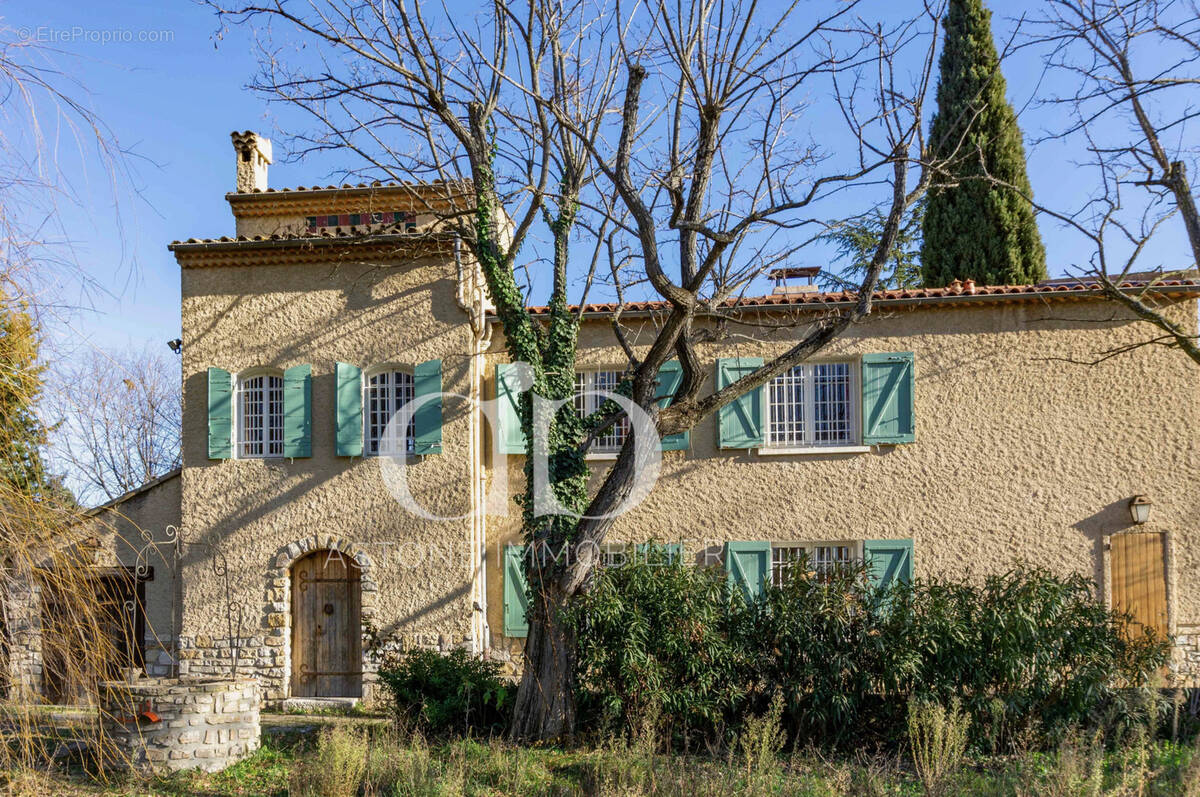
(326, 626)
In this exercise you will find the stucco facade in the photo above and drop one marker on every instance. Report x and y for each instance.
(1018, 454)
(140, 532)
(261, 515)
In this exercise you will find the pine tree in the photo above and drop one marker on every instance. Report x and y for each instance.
(974, 228)
(21, 432)
(856, 239)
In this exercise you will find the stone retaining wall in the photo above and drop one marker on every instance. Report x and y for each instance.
(173, 724)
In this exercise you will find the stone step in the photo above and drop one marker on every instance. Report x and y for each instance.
(319, 705)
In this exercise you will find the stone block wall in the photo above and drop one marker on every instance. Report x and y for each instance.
(1186, 656)
(22, 601)
(264, 655)
(161, 659)
(175, 724)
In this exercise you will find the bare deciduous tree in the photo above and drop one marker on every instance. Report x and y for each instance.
(673, 140)
(116, 421)
(1135, 68)
(45, 112)
(56, 608)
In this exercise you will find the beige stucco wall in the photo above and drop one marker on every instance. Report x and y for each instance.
(1019, 456)
(263, 514)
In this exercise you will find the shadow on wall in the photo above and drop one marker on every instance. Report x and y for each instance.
(1111, 519)
(409, 621)
(296, 304)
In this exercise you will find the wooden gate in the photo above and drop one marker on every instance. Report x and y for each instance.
(1139, 579)
(326, 626)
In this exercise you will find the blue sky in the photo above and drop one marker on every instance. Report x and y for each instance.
(172, 103)
(173, 99)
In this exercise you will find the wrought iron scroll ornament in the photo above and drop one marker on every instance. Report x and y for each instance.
(170, 548)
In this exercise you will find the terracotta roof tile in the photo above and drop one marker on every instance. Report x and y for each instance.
(325, 233)
(376, 184)
(1174, 287)
(955, 292)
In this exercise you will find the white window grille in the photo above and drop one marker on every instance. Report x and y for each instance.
(386, 392)
(826, 559)
(260, 416)
(785, 559)
(812, 405)
(823, 560)
(586, 402)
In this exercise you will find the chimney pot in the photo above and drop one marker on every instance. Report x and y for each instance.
(253, 158)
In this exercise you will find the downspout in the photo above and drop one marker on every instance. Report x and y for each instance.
(470, 299)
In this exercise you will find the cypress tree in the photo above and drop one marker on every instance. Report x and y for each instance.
(974, 229)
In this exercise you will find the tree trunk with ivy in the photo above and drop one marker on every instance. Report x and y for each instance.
(534, 92)
(545, 706)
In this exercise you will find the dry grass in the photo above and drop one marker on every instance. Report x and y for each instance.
(937, 739)
(389, 764)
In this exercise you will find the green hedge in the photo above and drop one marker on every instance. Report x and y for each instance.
(1030, 654)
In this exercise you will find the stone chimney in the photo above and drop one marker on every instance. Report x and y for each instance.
(253, 158)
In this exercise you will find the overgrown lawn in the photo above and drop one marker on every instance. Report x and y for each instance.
(352, 757)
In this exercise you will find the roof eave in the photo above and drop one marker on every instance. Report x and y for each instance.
(300, 242)
(1179, 292)
(363, 189)
(134, 493)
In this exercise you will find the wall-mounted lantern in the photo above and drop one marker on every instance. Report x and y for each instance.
(1139, 509)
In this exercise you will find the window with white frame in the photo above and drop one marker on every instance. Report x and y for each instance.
(587, 402)
(385, 393)
(260, 416)
(811, 405)
(790, 559)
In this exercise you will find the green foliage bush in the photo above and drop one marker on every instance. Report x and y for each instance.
(659, 637)
(836, 648)
(1030, 654)
(440, 694)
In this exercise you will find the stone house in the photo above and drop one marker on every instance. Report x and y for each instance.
(956, 432)
(121, 554)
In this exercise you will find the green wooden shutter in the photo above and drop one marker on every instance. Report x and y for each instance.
(349, 410)
(516, 593)
(220, 414)
(889, 561)
(427, 420)
(740, 422)
(887, 397)
(669, 377)
(512, 438)
(749, 566)
(297, 411)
